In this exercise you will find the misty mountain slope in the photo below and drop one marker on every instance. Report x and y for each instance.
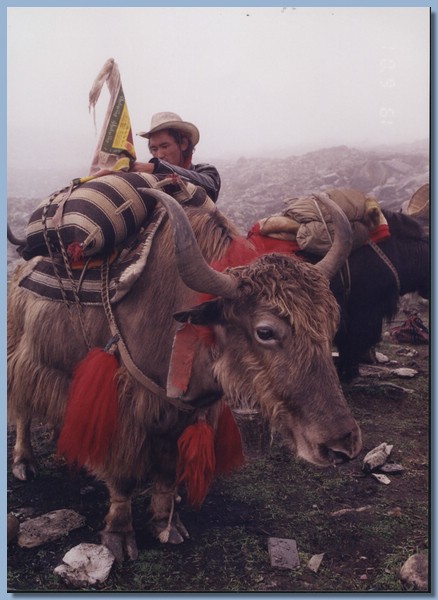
(257, 187)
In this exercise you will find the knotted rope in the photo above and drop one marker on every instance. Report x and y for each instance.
(77, 302)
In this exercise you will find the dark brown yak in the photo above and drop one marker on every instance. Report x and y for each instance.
(273, 323)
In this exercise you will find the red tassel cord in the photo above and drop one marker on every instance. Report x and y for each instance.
(203, 453)
(228, 444)
(92, 411)
(75, 251)
(196, 461)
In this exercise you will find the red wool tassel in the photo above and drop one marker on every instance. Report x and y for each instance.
(196, 461)
(379, 233)
(228, 443)
(92, 411)
(75, 252)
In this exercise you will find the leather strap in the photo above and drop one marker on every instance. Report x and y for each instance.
(130, 365)
(387, 261)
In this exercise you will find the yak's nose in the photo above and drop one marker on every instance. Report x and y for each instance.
(343, 448)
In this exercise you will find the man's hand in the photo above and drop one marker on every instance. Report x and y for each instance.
(139, 167)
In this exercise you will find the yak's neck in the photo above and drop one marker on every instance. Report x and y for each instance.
(410, 258)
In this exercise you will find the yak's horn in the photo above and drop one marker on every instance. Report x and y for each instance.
(14, 240)
(193, 268)
(343, 239)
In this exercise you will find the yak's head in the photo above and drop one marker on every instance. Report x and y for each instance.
(274, 322)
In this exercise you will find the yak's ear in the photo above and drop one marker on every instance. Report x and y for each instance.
(207, 313)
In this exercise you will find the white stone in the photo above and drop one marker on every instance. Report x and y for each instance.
(86, 564)
(315, 562)
(381, 478)
(377, 456)
(405, 372)
(381, 358)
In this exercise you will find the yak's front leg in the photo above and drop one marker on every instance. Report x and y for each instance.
(24, 465)
(118, 534)
(165, 523)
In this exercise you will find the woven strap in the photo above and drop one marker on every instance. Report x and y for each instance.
(125, 355)
(77, 303)
(387, 261)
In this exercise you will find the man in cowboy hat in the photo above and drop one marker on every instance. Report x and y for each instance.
(171, 143)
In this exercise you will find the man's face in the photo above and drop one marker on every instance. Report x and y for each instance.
(163, 146)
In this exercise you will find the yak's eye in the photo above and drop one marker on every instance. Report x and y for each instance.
(265, 334)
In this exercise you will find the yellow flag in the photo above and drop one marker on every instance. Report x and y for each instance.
(115, 149)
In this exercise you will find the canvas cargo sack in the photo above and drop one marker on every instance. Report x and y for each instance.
(96, 216)
(308, 222)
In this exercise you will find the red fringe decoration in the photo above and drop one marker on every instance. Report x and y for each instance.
(196, 461)
(75, 252)
(92, 411)
(228, 444)
(202, 454)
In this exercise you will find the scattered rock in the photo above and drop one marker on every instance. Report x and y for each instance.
(392, 468)
(376, 457)
(48, 527)
(396, 391)
(415, 571)
(315, 562)
(13, 527)
(377, 371)
(381, 358)
(405, 372)
(283, 553)
(381, 478)
(85, 564)
(344, 511)
(409, 352)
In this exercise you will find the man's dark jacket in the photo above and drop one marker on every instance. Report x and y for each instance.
(204, 175)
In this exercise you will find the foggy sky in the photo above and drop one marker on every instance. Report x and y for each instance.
(256, 81)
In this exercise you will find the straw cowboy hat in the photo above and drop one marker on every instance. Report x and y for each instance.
(170, 120)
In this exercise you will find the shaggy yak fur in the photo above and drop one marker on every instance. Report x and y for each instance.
(271, 349)
(374, 295)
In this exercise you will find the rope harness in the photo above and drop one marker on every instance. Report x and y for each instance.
(117, 341)
(387, 262)
(77, 303)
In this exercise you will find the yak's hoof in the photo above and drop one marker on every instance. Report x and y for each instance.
(122, 545)
(176, 533)
(24, 470)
